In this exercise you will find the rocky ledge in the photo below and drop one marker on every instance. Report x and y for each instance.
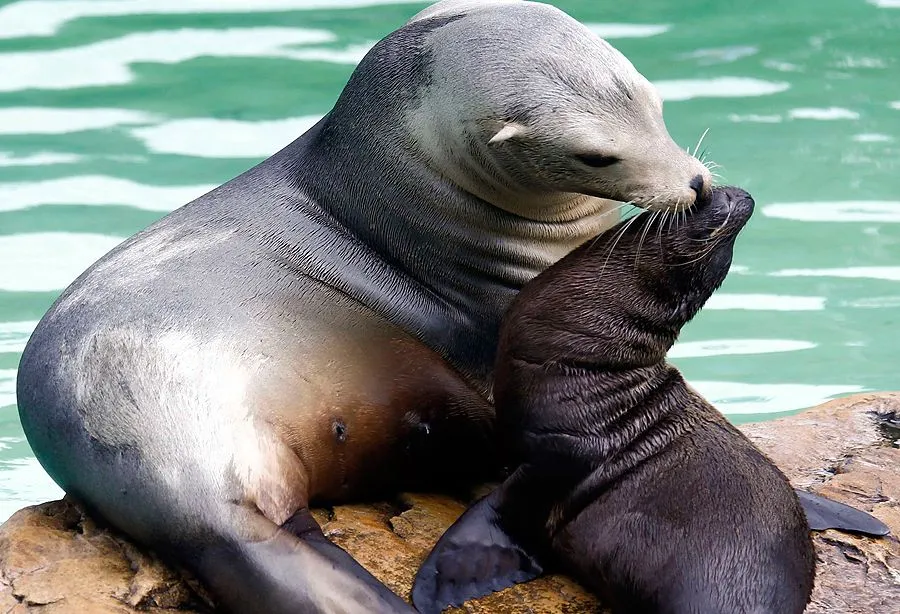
(54, 559)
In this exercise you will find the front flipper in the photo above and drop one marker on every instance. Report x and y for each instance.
(477, 555)
(358, 590)
(823, 513)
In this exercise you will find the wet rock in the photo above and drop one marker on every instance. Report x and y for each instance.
(54, 559)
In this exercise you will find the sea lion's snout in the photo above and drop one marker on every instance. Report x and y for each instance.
(676, 181)
(694, 255)
(697, 184)
(725, 209)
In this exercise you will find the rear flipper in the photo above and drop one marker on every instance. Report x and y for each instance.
(823, 513)
(477, 555)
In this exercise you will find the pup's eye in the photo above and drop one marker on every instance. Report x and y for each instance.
(597, 160)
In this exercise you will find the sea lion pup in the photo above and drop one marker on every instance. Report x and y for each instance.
(627, 478)
(322, 328)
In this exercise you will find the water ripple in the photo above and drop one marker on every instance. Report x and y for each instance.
(218, 138)
(45, 18)
(719, 87)
(872, 137)
(755, 118)
(24, 482)
(108, 62)
(735, 398)
(48, 261)
(97, 190)
(875, 302)
(884, 273)
(14, 336)
(7, 387)
(627, 30)
(829, 114)
(42, 158)
(848, 211)
(764, 302)
(814, 113)
(719, 55)
(46, 120)
(733, 347)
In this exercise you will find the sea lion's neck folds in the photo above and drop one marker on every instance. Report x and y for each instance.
(409, 221)
(604, 422)
(595, 426)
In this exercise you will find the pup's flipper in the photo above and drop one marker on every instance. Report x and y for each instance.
(823, 513)
(477, 555)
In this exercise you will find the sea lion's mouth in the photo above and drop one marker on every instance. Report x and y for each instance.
(724, 210)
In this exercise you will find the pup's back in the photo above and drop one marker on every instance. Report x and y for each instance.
(707, 526)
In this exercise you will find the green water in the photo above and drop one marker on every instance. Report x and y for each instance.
(113, 112)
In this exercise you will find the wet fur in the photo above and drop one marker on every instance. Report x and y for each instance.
(626, 478)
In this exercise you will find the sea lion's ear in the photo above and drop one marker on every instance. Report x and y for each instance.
(506, 131)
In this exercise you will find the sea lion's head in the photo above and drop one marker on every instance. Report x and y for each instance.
(688, 261)
(620, 301)
(528, 109)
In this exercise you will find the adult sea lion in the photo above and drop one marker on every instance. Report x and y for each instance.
(624, 476)
(323, 326)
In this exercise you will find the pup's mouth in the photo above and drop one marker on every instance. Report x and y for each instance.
(724, 210)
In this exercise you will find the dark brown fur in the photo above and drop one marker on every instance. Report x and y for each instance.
(627, 478)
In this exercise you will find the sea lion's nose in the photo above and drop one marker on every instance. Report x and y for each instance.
(697, 185)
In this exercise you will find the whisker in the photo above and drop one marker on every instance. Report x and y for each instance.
(615, 209)
(619, 234)
(616, 240)
(662, 224)
(653, 200)
(703, 254)
(597, 238)
(644, 236)
(700, 142)
(713, 241)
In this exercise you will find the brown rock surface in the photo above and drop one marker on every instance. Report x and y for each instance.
(846, 450)
(54, 559)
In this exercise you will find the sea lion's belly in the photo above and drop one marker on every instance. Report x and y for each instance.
(171, 353)
(368, 409)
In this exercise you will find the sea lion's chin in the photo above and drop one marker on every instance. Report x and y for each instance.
(697, 254)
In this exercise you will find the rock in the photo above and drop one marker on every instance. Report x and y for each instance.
(54, 559)
(847, 450)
